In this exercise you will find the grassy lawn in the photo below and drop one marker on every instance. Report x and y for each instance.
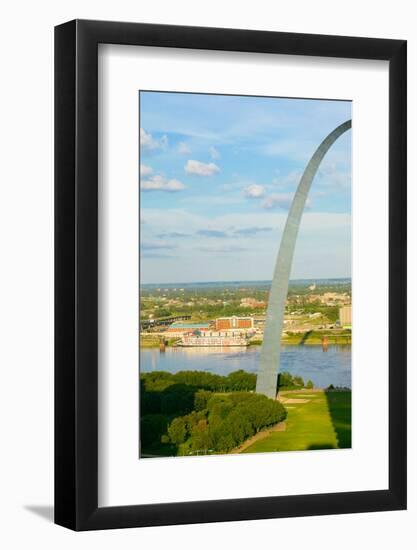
(324, 422)
(314, 337)
(311, 338)
(149, 341)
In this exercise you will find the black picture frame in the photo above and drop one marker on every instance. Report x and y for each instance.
(76, 273)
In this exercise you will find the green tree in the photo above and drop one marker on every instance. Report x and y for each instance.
(177, 430)
(241, 381)
(298, 381)
(178, 398)
(200, 399)
(201, 438)
(152, 426)
(285, 379)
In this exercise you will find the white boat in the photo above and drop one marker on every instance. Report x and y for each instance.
(212, 341)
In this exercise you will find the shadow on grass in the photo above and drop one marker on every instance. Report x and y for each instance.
(339, 404)
(304, 338)
(158, 409)
(319, 446)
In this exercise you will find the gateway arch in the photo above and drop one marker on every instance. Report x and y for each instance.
(267, 378)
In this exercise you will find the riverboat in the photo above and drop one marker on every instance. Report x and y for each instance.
(212, 341)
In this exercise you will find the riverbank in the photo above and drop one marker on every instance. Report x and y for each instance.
(312, 338)
(309, 338)
(324, 367)
(318, 337)
(154, 341)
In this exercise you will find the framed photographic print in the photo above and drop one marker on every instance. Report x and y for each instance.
(230, 275)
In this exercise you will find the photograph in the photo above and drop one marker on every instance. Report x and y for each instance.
(245, 304)
(209, 231)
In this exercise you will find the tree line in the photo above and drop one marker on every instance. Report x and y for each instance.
(190, 412)
(221, 423)
(239, 380)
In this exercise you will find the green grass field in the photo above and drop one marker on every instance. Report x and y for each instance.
(323, 422)
(314, 337)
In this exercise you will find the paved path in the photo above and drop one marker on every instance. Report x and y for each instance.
(280, 427)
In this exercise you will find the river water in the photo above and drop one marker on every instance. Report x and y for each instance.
(310, 362)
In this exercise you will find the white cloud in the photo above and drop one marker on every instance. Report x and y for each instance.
(227, 249)
(156, 245)
(212, 233)
(145, 170)
(251, 231)
(159, 183)
(334, 175)
(290, 180)
(300, 150)
(201, 168)
(179, 219)
(214, 153)
(323, 245)
(254, 191)
(183, 149)
(149, 143)
(280, 200)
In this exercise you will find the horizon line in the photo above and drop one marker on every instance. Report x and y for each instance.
(248, 281)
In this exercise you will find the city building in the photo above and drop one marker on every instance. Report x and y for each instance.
(330, 298)
(327, 298)
(345, 316)
(252, 303)
(176, 330)
(229, 323)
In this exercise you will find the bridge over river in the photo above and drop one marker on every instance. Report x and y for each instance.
(162, 322)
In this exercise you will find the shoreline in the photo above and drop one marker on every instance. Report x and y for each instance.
(155, 345)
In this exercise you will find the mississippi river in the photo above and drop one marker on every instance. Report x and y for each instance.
(310, 362)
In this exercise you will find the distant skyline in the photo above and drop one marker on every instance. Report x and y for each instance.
(319, 282)
(218, 174)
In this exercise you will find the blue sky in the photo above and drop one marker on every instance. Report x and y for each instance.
(217, 175)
